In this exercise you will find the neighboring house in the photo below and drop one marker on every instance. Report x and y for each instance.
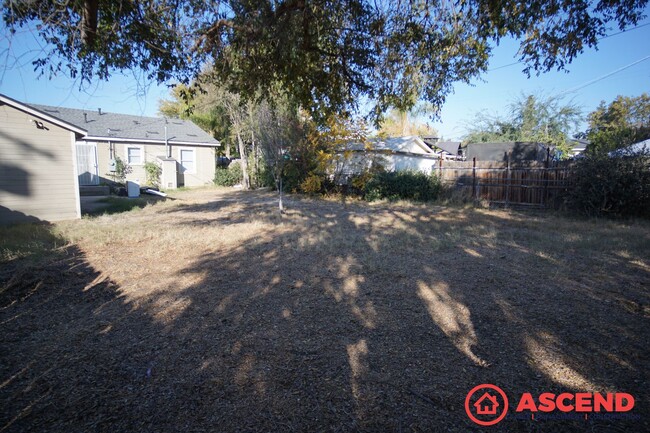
(47, 152)
(513, 150)
(185, 151)
(578, 146)
(445, 149)
(394, 154)
(633, 149)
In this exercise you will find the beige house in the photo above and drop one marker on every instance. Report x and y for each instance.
(46, 153)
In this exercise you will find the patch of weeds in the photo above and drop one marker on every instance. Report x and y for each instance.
(29, 240)
(123, 204)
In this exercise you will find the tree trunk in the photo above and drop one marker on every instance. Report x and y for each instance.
(246, 182)
(89, 22)
(256, 180)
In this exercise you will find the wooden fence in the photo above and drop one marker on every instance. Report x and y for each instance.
(529, 183)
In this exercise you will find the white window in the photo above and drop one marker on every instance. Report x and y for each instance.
(187, 158)
(134, 155)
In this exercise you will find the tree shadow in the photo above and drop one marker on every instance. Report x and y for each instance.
(332, 318)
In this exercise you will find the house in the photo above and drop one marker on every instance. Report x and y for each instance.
(46, 153)
(486, 405)
(633, 149)
(512, 150)
(578, 146)
(445, 149)
(394, 154)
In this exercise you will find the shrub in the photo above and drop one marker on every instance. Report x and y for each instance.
(616, 186)
(153, 172)
(230, 176)
(122, 169)
(312, 184)
(407, 185)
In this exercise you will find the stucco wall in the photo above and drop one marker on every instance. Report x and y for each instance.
(202, 175)
(37, 169)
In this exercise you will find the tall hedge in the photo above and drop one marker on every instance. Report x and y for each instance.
(407, 185)
(606, 185)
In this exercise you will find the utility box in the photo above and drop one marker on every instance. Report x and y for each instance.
(112, 166)
(169, 175)
(132, 189)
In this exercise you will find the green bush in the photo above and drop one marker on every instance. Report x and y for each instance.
(153, 172)
(406, 185)
(616, 186)
(230, 176)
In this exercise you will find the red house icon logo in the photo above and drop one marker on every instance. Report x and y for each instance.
(486, 405)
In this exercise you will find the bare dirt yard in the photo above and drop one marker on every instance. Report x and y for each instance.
(213, 313)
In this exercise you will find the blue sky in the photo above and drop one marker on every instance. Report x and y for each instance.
(594, 76)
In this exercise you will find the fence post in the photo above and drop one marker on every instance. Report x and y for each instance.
(546, 177)
(474, 190)
(508, 180)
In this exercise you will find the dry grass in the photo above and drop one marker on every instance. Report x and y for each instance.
(212, 312)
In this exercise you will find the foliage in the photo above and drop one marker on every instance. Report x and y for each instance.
(625, 121)
(230, 176)
(122, 169)
(612, 186)
(312, 184)
(407, 185)
(403, 123)
(531, 118)
(153, 172)
(202, 108)
(327, 54)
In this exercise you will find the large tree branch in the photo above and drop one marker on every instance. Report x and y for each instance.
(89, 21)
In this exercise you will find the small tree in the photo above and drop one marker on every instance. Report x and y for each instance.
(152, 172)
(122, 169)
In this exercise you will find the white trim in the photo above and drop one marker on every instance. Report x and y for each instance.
(37, 113)
(158, 142)
(75, 173)
(126, 154)
(180, 160)
(423, 145)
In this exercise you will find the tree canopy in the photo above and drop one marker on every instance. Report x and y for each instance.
(327, 54)
(541, 119)
(624, 121)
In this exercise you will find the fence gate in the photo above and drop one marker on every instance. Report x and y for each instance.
(87, 164)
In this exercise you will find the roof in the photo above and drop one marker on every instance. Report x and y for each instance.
(36, 113)
(409, 144)
(579, 143)
(113, 126)
(451, 147)
(516, 150)
(632, 149)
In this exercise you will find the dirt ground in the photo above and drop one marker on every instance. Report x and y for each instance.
(212, 313)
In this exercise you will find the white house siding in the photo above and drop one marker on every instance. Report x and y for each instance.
(391, 162)
(412, 162)
(37, 169)
(205, 162)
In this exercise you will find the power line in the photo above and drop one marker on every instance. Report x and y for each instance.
(595, 80)
(598, 40)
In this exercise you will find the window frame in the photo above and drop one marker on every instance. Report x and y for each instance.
(134, 146)
(180, 159)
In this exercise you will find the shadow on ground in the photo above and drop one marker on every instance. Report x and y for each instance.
(336, 318)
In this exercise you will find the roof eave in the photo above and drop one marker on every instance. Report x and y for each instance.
(150, 141)
(40, 114)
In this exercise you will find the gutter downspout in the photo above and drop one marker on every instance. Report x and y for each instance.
(168, 153)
